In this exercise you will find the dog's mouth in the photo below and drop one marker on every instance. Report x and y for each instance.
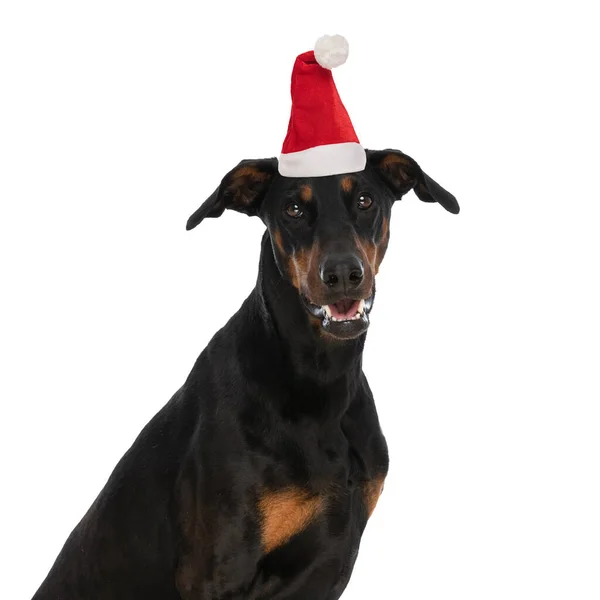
(346, 318)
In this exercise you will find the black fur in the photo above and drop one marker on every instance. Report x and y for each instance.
(273, 403)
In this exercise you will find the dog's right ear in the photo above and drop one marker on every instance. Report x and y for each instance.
(242, 189)
(401, 173)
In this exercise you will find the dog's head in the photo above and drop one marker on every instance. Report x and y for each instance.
(329, 234)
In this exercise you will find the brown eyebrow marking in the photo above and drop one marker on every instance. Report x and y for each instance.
(306, 192)
(347, 183)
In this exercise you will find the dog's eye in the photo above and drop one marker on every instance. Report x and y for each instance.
(364, 202)
(293, 210)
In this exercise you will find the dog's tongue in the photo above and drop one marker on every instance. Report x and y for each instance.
(344, 309)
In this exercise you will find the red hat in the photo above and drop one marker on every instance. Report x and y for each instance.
(320, 139)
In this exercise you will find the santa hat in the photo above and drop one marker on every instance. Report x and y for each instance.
(320, 139)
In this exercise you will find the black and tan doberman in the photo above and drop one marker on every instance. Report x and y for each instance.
(256, 480)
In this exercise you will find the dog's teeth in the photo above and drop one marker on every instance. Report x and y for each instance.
(361, 307)
(357, 316)
(327, 310)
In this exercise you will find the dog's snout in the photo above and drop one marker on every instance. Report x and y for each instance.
(342, 272)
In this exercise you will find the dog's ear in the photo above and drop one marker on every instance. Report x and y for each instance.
(242, 189)
(401, 173)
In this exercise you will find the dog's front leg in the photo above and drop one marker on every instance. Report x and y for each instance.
(219, 538)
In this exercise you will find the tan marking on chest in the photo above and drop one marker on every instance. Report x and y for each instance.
(372, 490)
(285, 513)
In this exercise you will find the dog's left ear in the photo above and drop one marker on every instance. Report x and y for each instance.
(401, 173)
(242, 189)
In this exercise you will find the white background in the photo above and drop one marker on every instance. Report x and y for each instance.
(117, 119)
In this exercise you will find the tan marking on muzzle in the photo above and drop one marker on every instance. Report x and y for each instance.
(373, 252)
(383, 243)
(302, 269)
(278, 241)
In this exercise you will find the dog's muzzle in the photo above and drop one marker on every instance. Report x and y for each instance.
(345, 319)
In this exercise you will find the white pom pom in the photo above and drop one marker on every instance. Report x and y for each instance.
(331, 51)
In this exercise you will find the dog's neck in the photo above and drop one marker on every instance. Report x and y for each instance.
(309, 352)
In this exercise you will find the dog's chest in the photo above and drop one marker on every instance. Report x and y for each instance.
(332, 483)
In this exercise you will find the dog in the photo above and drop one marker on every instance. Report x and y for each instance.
(257, 479)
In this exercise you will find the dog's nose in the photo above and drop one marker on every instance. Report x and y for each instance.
(342, 272)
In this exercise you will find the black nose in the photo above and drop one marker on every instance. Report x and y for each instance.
(342, 272)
